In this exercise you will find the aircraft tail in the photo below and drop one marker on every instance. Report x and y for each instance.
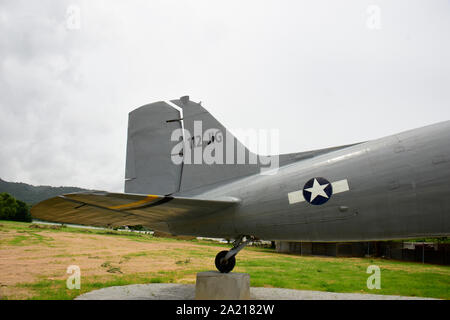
(178, 146)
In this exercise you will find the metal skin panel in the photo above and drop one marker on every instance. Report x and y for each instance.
(196, 175)
(399, 188)
(149, 168)
(115, 209)
(198, 178)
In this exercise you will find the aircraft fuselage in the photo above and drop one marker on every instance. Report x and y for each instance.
(392, 188)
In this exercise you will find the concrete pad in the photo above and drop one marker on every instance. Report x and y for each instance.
(153, 291)
(213, 285)
(172, 291)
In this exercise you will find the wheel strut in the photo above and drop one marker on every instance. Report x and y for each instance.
(226, 260)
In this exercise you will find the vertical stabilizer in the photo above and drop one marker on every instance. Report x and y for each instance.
(207, 151)
(215, 154)
(149, 169)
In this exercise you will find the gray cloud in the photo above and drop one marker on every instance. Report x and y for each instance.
(312, 69)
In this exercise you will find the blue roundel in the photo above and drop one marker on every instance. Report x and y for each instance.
(317, 191)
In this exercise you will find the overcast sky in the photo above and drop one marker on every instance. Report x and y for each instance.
(324, 73)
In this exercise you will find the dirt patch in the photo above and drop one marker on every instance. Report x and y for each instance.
(14, 293)
(23, 262)
(42, 226)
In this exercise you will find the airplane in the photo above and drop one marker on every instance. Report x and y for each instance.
(188, 175)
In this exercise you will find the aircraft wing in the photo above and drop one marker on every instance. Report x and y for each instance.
(118, 209)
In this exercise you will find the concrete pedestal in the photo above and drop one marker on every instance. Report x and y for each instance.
(213, 285)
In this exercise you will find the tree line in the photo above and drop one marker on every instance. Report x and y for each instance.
(13, 209)
(34, 194)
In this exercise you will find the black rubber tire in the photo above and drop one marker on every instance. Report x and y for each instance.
(225, 266)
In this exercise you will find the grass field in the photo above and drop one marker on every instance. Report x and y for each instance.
(34, 261)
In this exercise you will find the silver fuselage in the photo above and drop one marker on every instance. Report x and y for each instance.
(399, 187)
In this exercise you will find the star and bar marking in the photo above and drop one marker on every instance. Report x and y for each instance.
(318, 191)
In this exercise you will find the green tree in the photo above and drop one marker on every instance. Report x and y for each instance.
(12, 209)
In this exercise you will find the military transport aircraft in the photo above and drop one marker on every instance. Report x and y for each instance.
(187, 175)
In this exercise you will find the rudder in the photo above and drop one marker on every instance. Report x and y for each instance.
(150, 167)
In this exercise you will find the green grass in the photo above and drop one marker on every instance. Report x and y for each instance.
(134, 236)
(303, 273)
(57, 289)
(29, 238)
(266, 268)
(348, 275)
(136, 254)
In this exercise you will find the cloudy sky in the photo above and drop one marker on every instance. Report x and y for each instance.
(323, 72)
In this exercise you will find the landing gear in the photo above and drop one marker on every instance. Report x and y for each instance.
(226, 260)
(223, 265)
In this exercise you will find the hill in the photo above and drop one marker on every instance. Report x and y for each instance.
(33, 194)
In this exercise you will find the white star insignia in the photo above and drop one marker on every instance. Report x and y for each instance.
(317, 190)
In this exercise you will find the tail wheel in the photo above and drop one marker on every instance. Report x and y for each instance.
(222, 265)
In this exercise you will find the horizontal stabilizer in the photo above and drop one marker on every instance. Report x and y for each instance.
(121, 209)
